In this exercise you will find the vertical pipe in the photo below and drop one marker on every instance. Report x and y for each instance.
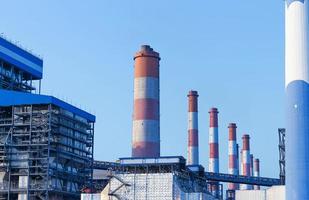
(146, 116)
(297, 96)
(246, 159)
(251, 164)
(241, 164)
(233, 165)
(251, 169)
(214, 146)
(237, 161)
(256, 171)
(193, 149)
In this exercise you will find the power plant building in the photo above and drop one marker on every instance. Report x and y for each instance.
(164, 178)
(46, 144)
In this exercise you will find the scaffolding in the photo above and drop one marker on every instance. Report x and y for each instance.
(281, 133)
(46, 152)
(164, 178)
(13, 78)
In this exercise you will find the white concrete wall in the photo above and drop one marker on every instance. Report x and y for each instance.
(273, 193)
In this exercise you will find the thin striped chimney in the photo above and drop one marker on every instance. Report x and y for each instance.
(214, 146)
(193, 149)
(146, 116)
(233, 154)
(256, 172)
(246, 159)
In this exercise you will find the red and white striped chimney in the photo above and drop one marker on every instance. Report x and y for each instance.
(256, 171)
(214, 146)
(233, 165)
(146, 116)
(193, 149)
(246, 159)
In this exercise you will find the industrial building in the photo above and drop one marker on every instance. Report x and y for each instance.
(46, 144)
(165, 177)
(148, 175)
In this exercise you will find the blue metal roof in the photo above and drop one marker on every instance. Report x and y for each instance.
(10, 98)
(21, 59)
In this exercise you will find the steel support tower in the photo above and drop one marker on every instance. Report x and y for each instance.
(281, 133)
(46, 145)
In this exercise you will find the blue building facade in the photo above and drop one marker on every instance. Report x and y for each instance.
(46, 144)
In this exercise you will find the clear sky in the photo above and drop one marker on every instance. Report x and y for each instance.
(232, 52)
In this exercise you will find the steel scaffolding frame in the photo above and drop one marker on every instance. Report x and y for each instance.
(12, 78)
(209, 176)
(45, 153)
(281, 133)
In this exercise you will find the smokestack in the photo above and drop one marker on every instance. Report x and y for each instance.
(251, 164)
(233, 154)
(146, 117)
(297, 98)
(237, 161)
(193, 152)
(256, 172)
(246, 160)
(241, 163)
(214, 146)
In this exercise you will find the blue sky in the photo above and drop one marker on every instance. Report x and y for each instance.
(232, 52)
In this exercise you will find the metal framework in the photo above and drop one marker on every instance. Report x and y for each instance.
(188, 182)
(281, 133)
(46, 152)
(207, 176)
(250, 180)
(12, 78)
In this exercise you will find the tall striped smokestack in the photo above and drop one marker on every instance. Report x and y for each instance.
(246, 159)
(256, 172)
(233, 154)
(193, 151)
(214, 146)
(146, 116)
(297, 98)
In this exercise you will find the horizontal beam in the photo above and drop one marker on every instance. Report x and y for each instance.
(262, 181)
(209, 176)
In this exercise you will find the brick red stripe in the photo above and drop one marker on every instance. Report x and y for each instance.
(232, 131)
(213, 117)
(193, 137)
(246, 169)
(146, 109)
(214, 150)
(146, 149)
(146, 67)
(232, 161)
(192, 96)
(246, 142)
